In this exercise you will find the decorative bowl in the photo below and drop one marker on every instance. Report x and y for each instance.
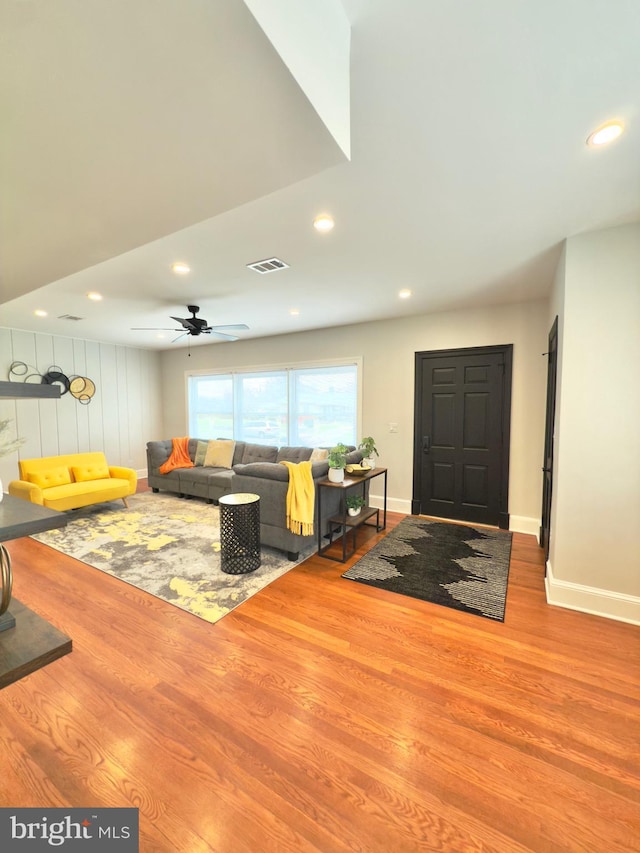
(357, 470)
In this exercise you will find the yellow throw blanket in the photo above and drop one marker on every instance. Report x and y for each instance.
(300, 498)
(179, 456)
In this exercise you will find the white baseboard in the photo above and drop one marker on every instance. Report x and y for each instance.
(589, 599)
(393, 504)
(524, 524)
(517, 523)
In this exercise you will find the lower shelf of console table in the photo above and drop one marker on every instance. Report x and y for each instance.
(344, 526)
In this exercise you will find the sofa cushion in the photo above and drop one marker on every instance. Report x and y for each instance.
(84, 473)
(50, 477)
(219, 453)
(263, 470)
(259, 453)
(319, 454)
(293, 454)
(201, 452)
(202, 475)
(74, 495)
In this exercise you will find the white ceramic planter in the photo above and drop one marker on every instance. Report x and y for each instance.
(353, 512)
(370, 461)
(336, 475)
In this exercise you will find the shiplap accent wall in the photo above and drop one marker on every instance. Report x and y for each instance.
(124, 413)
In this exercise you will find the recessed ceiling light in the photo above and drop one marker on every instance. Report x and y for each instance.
(181, 268)
(404, 294)
(40, 313)
(294, 312)
(605, 133)
(96, 297)
(323, 222)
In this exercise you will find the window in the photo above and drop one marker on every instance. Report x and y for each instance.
(314, 406)
(210, 406)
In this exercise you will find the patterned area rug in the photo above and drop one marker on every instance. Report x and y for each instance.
(455, 565)
(167, 546)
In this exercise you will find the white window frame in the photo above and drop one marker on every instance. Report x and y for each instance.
(355, 361)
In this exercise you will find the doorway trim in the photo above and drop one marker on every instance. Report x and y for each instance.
(544, 536)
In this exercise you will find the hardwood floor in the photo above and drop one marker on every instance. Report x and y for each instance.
(324, 715)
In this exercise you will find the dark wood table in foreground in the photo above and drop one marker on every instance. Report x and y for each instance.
(27, 642)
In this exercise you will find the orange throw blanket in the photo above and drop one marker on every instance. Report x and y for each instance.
(179, 456)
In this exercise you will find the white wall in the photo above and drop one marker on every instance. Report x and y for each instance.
(594, 558)
(556, 309)
(121, 417)
(314, 40)
(388, 350)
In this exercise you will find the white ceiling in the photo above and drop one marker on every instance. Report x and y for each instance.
(138, 134)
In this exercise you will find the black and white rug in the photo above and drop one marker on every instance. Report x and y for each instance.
(455, 565)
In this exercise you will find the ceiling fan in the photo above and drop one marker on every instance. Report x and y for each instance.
(197, 326)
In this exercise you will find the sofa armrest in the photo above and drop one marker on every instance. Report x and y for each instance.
(129, 474)
(27, 491)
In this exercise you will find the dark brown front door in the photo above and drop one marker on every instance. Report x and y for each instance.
(462, 417)
(547, 465)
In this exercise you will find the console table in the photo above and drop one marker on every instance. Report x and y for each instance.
(27, 642)
(342, 524)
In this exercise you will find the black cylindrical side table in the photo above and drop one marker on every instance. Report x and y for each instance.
(239, 533)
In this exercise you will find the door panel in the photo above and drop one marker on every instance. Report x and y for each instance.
(476, 421)
(443, 482)
(443, 420)
(475, 485)
(462, 424)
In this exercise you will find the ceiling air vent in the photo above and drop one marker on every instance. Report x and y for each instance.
(269, 265)
(69, 317)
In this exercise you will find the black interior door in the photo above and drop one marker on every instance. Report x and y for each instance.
(461, 453)
(547, 465)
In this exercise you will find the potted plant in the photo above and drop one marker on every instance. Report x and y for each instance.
(337, 459)
(354, 504)
(369, 451)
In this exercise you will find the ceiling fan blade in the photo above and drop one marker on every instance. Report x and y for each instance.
(195, 326)
(232, 326)
(186, 324)
(222, 335)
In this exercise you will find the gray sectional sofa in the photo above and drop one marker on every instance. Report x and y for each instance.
(256, 469)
